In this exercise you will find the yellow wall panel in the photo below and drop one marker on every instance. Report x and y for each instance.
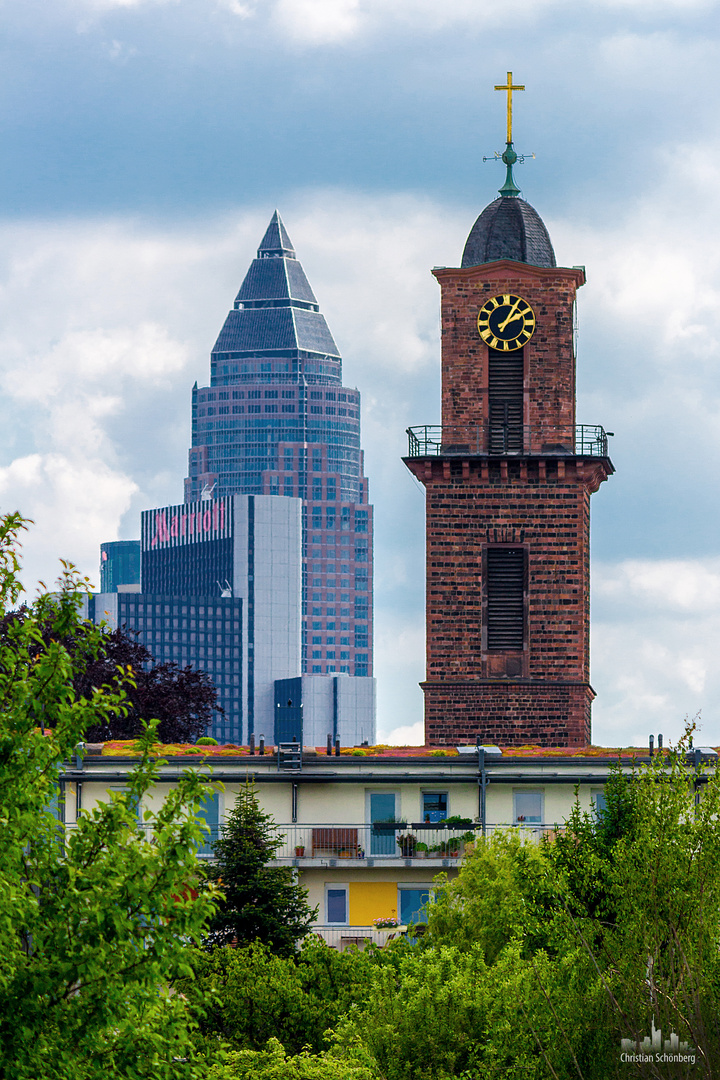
(370, 900)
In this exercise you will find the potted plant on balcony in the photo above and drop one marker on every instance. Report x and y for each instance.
(407, 844)
(449, 848)
(385, 923)
(458, 822)
(299, 851)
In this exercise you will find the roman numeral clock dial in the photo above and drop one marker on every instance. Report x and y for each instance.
(506, 322)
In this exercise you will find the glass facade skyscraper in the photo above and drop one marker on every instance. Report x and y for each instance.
(276, 420)
(119, 565)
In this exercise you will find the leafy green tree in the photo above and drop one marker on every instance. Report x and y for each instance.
(94, 925)
(584, 851)
(272, 1063)
(261, 902)
(294, 999)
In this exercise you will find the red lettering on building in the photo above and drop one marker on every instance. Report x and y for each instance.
(161, 530)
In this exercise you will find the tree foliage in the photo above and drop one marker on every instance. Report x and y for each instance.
(273, 1063)
(94, 925)
(261, 903)
(539, 959)
(182, 700)
(295, 999)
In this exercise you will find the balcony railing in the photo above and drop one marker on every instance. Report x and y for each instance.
(433, 440)
(333, 844)
(341, 936)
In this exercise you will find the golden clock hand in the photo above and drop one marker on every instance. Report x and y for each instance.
(511, 315)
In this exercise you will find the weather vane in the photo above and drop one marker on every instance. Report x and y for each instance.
(509, 157)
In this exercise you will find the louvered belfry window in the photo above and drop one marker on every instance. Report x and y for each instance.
(505, 570)
(505, 401)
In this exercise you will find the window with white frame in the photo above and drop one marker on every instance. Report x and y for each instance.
(411, 902)
(336, 904)
(528, 807)
(434, 806)
(599, 800)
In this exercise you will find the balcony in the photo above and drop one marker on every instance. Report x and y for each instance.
(388, 843)
(341, 937)
(369, 844)
(501, 439)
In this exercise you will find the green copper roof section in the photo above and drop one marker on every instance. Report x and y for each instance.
(509, 190)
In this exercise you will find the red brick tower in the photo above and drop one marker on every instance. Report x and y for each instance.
(508, 478)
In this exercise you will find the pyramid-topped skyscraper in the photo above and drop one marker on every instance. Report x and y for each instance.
(276, 420)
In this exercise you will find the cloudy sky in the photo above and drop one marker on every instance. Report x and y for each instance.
(144, 146)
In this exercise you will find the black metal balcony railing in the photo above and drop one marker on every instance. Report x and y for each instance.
(433, 440)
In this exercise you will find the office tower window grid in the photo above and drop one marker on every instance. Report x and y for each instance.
(199, 631)
(276, 420)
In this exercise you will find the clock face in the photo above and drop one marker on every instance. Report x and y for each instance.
(506, 322)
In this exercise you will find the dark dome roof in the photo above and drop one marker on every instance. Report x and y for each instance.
(509, 228)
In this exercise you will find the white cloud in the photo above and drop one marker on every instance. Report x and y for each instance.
(410, 735)
(337, 22)
(318, 21)
(655, 643)
(679, 587)
(322, 22)
(72, 503)
(109, 5)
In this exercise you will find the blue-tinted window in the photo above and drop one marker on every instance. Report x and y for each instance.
(337, 905)
(382, 808)
(434, 806)
(412, 902)
(209, 812)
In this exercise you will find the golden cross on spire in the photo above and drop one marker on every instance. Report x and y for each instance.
(509, 87)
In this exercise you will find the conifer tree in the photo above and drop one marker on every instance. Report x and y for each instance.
(262, 903)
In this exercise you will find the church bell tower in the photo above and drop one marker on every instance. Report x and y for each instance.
(508, 478)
